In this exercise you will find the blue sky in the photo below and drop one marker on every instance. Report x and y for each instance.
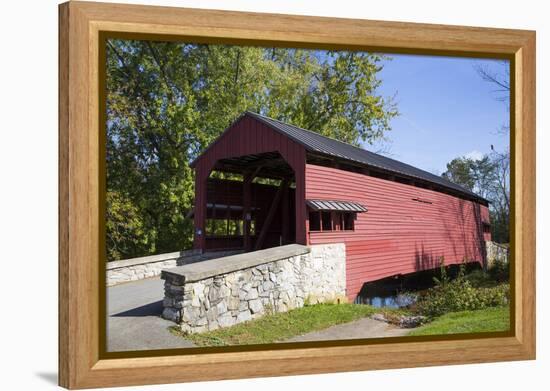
(447, 110)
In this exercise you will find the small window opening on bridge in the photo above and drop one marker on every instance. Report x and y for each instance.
(326, 221)
(314, 221)
(348, 221)
(331, 221)
(422, 200)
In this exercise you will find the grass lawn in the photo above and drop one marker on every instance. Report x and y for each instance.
(280, 326)
(490, 319)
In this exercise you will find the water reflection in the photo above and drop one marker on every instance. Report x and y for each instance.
(392, 301)
(398, 291)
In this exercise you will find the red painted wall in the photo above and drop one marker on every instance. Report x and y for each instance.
(397, 235)
(249, 136)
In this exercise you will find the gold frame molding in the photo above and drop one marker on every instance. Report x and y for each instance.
(83, 25)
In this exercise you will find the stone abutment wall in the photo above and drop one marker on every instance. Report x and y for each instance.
(496, 253)
(226, 291)
(145, 267)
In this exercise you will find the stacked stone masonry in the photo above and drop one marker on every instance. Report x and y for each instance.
(316, 275)
(146, 267)
(496, 253)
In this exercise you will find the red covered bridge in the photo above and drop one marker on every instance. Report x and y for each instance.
(265, 183)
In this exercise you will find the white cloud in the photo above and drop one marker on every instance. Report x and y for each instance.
(474, 155)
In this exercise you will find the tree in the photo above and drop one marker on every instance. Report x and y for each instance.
(488, 177)
(501, 80)
(500, 197)
(459, 171)
(476, 175)
(167, 101)
(500, 206)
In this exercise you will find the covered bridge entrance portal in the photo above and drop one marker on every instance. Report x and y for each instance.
(249, 189)
(250, 204)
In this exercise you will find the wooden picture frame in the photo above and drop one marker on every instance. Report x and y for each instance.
(82, 25)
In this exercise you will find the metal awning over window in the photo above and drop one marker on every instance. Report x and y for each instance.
(343, 206)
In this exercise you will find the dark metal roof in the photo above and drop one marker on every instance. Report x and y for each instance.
(315, 142)
(344, 206)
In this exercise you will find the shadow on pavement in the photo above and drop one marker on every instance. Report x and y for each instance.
(151, 309)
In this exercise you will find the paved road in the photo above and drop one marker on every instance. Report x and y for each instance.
(134, 321)
(362, 328)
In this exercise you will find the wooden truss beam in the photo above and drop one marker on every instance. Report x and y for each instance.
(284, 185)
(247, 216)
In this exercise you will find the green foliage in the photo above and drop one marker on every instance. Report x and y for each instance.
(500, 221)
(473, 174)
(126, 235)
(459, 171)
(480, 278)
(499, 271)
(489, 177)
(459, 295)
(485, 320)
(167, 101)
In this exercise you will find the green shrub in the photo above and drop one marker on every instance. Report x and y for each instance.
(477, 278)
(458, 295)
(499, 271)
(480, 278)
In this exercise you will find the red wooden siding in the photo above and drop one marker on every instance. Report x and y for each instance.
(397, 235)
(249, 136)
